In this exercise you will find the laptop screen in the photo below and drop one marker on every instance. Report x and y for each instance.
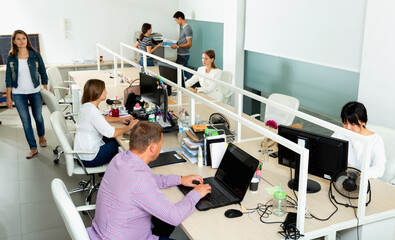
(236, 170)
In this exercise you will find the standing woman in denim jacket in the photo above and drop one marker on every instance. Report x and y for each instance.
(25, 68)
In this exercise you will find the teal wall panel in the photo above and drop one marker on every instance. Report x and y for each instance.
(206, 35)
(317, 87)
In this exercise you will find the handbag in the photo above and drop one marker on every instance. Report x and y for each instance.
(133, 88)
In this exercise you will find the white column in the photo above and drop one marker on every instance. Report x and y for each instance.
(376, 84)
(234, 11)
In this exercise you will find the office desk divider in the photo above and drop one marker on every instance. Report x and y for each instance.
(236, 115)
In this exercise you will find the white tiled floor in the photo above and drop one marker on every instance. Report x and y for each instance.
(27, 210)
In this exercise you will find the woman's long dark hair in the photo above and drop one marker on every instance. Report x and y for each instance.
(144, 30)
(14, 48)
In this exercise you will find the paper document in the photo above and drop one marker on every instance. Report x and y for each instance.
(207, 142)
(217, 151)
(188, 157)
(191, 144)
(168, 42)
(191, 152)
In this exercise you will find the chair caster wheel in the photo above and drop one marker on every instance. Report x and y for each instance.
(82, 184)
(55, 151)
(56, 161)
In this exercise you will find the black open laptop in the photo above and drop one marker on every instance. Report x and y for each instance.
(231, 181)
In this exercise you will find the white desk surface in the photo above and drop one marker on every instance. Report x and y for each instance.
(212, 224)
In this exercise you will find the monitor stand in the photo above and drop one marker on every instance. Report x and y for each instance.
(312, 186)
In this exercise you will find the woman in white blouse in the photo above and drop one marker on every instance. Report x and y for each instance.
(210, 70)
(94, 132)
(354, 117)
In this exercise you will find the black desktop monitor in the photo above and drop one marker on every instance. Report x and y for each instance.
(170, 73)
(326, 155)
(151, 91)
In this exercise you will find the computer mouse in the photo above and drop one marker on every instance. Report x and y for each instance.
(233, 213)
(127, 122)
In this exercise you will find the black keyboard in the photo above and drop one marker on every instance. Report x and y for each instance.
(215, 197)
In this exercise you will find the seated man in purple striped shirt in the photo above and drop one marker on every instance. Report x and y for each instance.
(130, 204)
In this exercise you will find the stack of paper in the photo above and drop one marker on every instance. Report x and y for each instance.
(168, 42)
(191, 152)
(186, 156)
(191, 144)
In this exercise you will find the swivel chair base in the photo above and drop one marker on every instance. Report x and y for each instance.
(91, 186)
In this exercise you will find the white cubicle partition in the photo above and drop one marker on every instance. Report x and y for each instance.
(240, 93)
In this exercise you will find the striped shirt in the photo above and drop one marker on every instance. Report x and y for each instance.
(143, 45)
(185, 32)
(130, 194)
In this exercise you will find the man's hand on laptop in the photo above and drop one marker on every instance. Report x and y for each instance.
(191, 180)
(203, 189)
(196, 181)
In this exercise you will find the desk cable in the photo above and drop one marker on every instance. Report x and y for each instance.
(309, 213)
(356, 216)
(289, 231)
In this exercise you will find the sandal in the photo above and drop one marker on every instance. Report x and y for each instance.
(31, 155)
(43, 142)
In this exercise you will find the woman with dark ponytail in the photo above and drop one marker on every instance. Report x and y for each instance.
(144, 43)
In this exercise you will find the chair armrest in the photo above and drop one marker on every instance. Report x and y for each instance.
(65, 88)
(86, 208)
(64, 104)
(255, 115)
(69, 81)
(70, 114)
(80, 151)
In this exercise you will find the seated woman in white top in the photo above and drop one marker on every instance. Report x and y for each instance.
(354, 117)
(94, 133)
(210, 70)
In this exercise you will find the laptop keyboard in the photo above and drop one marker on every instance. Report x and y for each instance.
(215, 197)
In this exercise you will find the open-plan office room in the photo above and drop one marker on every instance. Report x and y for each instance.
(322, 53)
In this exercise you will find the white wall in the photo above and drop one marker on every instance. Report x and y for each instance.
(324, 32)
(377, 81)
(90, 21)
(234, 40)
(203, 10)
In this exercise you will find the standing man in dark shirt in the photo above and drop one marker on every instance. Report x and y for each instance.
(184, 41)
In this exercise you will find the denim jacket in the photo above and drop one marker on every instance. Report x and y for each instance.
(36, 67)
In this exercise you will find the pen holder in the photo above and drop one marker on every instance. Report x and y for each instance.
(264, 156)
(114, 112)
(264, 152)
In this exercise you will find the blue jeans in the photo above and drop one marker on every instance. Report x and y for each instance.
(150, 62)
(105, 154)
(22, 105)
(183, 60)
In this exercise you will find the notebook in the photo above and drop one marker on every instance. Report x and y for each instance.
(231, 181)
(166, 158)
